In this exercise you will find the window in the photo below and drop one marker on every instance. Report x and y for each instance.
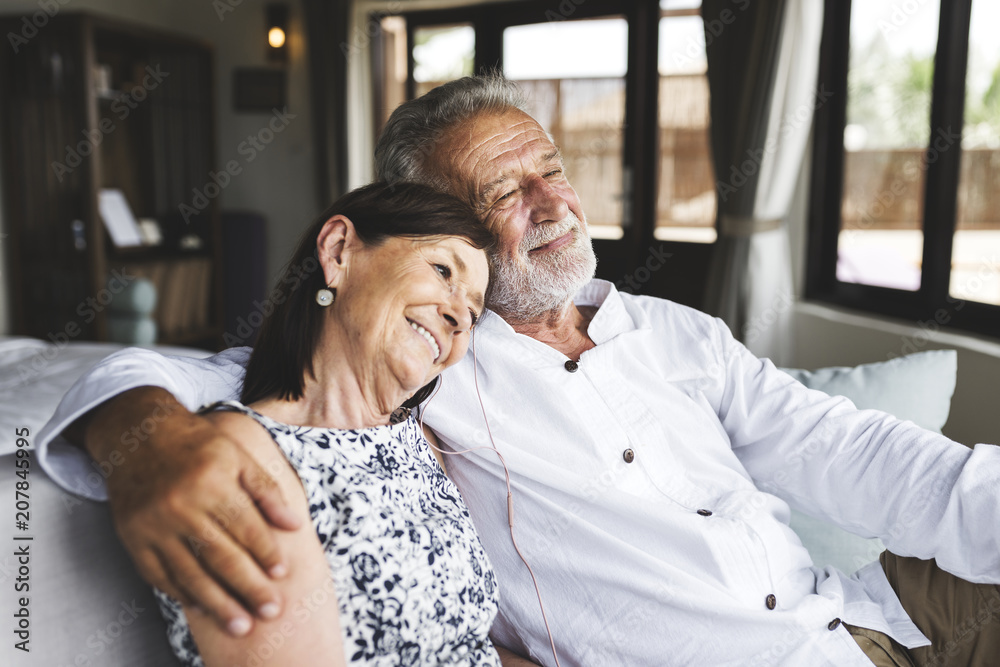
(574, 73)
(622, 87)
(686, 200)
(905, 210)
(976, 249)
(442, 53)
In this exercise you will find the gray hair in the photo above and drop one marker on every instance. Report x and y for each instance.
(415, 127)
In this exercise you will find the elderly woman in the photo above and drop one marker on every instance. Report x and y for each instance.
(382, 294)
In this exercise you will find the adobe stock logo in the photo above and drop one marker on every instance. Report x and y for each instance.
(31, 25)
(633, 282)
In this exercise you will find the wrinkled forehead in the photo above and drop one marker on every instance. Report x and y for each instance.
(489, 146)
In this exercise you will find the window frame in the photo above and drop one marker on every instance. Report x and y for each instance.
(683, 280)
(932, 303)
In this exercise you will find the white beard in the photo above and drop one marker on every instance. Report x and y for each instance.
(525, 286)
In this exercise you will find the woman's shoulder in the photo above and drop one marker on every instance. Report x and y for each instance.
(244, 426)
(239, 416)
(314, 445)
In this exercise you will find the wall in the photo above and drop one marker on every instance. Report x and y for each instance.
(279, 182)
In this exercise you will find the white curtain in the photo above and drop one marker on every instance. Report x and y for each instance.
(751, 283)
(793, 100)
(360, 138)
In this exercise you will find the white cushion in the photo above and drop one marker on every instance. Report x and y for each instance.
(917, 387)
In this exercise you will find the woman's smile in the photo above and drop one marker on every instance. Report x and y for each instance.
(429, 338)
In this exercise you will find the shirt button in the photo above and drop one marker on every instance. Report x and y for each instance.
(628, 455)
(834, 624)
(571, 366)
(772, 602)
(705, 512)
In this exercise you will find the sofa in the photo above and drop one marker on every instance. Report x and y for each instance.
(86, 606)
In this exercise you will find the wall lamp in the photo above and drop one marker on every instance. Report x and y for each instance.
(276, 15)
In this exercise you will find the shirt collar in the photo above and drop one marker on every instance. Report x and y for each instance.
(612, 319)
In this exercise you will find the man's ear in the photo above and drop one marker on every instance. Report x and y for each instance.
(335, 247)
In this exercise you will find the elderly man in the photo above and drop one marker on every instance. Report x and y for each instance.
(652, 458)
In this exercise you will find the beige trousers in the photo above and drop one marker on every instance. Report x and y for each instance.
(962, 620)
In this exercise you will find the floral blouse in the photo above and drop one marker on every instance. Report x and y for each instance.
(413, 583)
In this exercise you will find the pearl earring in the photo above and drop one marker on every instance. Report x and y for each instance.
(325, 297)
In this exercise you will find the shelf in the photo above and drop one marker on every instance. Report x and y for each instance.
(152, 140)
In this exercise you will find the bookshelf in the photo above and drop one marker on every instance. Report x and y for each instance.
(92, 103)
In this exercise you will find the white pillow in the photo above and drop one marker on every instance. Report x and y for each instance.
(917, 387)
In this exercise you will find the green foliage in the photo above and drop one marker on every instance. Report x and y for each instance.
(982, 114)
(890, 97)
(991, 98)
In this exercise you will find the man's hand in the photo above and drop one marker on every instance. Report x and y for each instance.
(190, 506)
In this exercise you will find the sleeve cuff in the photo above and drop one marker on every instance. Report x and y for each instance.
(69, 466)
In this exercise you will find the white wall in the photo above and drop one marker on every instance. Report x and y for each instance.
(279, 182)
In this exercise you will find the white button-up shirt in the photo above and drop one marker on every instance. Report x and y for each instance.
(671, 558)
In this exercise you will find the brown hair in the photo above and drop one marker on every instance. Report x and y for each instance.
(284, 350)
